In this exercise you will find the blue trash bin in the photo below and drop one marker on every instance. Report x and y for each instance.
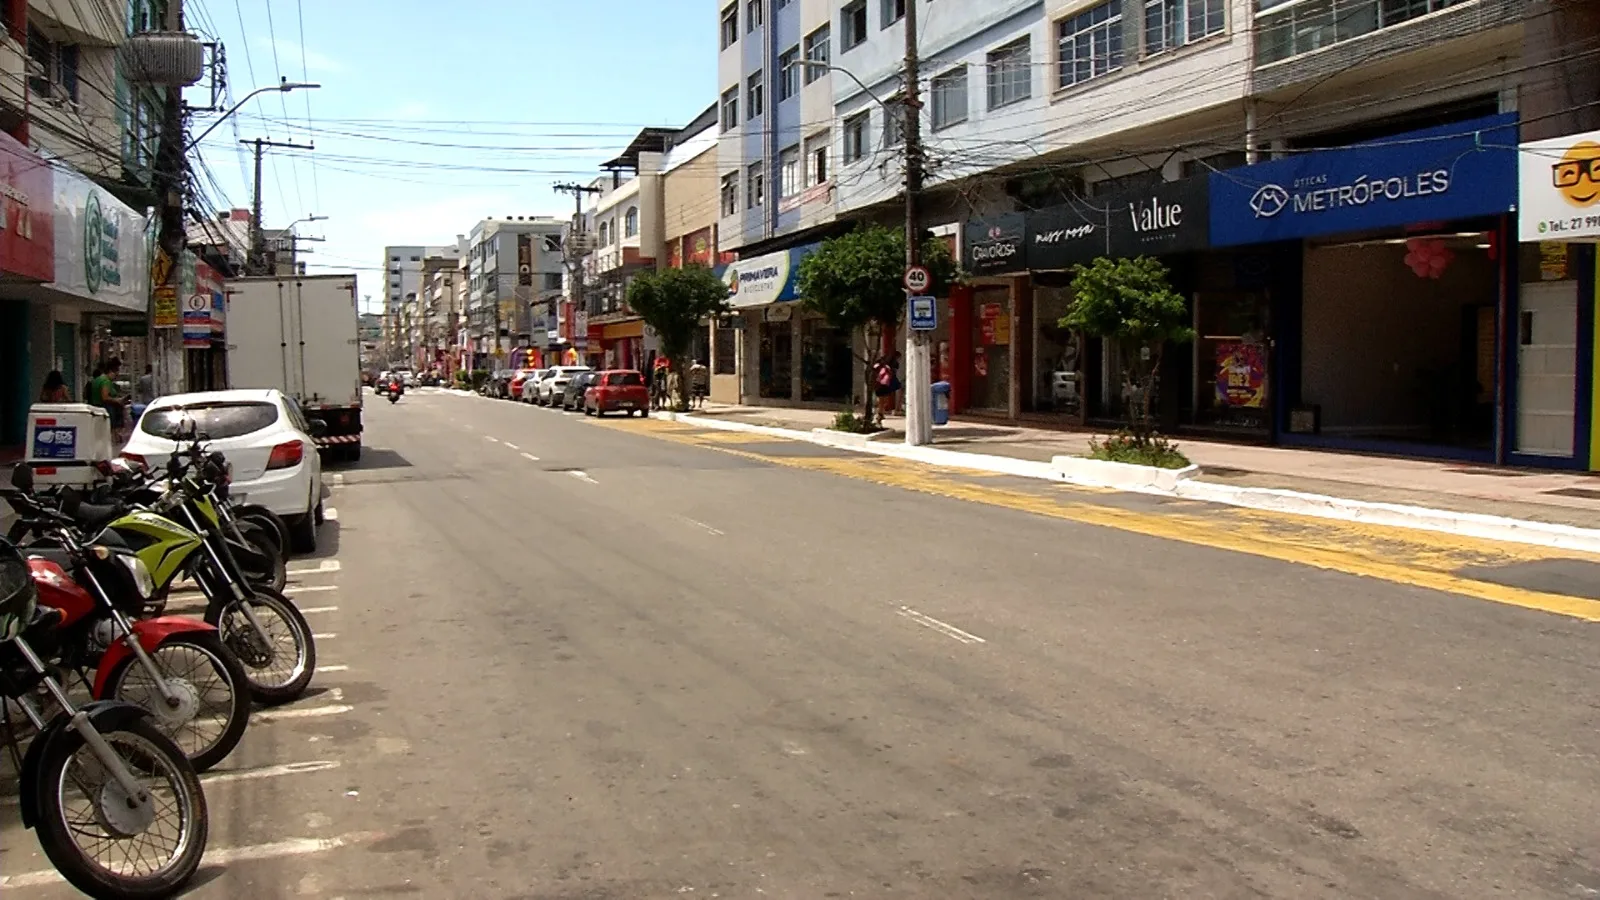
(941, 403)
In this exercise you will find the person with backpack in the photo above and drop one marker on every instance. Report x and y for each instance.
(886, 382)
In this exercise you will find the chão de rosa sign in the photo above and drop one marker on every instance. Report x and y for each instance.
(1438, 174)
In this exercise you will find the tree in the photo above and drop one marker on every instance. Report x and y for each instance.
(856, 282)
(675, 303)
(1131, 303)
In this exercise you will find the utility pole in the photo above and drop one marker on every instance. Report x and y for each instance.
(169, 179)
(257, 262)
(918, 362)
(575, 250)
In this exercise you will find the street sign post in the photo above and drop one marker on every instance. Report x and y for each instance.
(917, 279)
(923, 313)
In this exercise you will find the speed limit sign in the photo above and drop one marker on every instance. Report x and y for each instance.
(916, 279)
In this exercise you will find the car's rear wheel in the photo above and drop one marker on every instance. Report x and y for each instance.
(303, 531)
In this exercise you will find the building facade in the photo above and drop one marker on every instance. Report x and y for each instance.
(514, 265)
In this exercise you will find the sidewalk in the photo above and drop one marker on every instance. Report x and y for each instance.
(1558, 498)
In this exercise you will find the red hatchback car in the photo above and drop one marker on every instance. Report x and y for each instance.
(616, 390)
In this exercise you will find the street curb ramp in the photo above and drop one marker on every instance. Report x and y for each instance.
(1184, 484)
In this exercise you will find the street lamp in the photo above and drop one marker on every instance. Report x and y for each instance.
(284, 86)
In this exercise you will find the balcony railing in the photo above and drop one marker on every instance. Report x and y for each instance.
(1288, 28)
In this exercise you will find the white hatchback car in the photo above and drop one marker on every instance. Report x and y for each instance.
(553, 383)
(266, 438)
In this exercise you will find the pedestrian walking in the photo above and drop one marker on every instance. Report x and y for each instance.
(886, 375)
(699, 383)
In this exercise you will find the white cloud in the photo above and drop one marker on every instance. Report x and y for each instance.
(288, 54)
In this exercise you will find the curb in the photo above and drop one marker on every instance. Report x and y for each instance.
(1182, 483)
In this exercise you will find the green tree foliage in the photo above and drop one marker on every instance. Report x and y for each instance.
(675, 303)
(1131, 303)
(856, 282)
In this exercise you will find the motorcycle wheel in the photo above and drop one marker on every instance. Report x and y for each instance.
(273, 573)
(206, 676)
(277, 673)
(270, 522)
(78, 830)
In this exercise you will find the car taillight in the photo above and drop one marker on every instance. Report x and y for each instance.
(136, 458)
(286, 454)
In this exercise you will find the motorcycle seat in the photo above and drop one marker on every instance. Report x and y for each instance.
(96, 515)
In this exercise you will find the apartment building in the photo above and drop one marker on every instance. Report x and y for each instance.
(776, 119)
(514, 265)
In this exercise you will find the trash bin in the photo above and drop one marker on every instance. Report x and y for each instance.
(941, 403)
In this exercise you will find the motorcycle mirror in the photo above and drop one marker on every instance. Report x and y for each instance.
(22, 478)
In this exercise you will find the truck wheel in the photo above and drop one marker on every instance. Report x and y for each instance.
(353, 453)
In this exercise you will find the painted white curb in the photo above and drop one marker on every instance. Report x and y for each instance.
(1182, 483)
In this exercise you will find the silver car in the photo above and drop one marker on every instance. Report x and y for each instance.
(555, 382)
(530, 385)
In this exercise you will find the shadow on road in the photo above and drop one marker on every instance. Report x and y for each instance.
(376, 458)
(327, 542)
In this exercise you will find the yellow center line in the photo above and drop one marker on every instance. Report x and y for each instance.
(1396, 555)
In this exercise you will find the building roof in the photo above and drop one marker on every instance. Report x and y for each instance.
(650, 140)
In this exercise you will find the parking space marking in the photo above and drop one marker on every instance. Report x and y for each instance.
(330, 514)
(582, 476)
(512, 446)
(326, 565)
(530, 457)
(224, 856)
(224, 776)
(309, 588)
(328, 636)
(300, 712)
(337, 478)
(318, 609)
(335, 668)
(492, 440)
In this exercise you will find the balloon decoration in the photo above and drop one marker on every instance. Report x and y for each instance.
(1428, 257)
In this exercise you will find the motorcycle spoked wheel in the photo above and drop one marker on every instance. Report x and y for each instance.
(278, 673)
(76, 806)
(273, 571)
(204, 675)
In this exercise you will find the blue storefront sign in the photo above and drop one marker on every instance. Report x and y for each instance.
(1438, 174)
(55, 442)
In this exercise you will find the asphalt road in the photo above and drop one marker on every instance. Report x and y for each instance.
(568, 659)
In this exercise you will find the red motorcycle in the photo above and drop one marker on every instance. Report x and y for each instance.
(174, 666)
(396, 388)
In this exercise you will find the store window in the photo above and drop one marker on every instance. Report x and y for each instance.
(827, 366)
(1231, 360)
(725, 347)
(774, 359)
(991, 349)
(1057, 351)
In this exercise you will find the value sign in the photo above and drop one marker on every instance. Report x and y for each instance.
(917, 279)
(923, 314)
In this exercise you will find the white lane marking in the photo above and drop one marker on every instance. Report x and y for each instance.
(318, 609)
(337, 478)
(512, 446)
(699, 524)
(224, 855)
(492, 440)
(309, 588)
(328, 636)
(530, 457)
(303, 712)
(321, 668)
(327, 565)
(582, 476)
(943, 628)
(330, 514)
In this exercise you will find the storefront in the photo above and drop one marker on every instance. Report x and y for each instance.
(779, 357)
(27, 259)
(983, 316)
(1555, 384)
(622, 344)
(1395, 339)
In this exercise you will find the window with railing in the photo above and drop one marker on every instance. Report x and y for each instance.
(1170, 24)
(1286, 28)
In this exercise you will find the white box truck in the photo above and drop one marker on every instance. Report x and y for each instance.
(299, 334)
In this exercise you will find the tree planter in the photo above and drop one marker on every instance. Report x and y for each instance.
(1124, 476)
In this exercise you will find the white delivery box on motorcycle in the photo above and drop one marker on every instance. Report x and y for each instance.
(65, 440)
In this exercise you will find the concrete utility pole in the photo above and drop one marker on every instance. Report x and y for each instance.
(918, 362)
(257, 262)
(574, 257)
(169, 178)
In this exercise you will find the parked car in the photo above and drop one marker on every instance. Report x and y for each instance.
(265, 436)
(572, 394)
(519, 380)
(554, 384)
(616, 390)
(530, 387)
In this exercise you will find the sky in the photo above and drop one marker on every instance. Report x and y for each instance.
(429, 117)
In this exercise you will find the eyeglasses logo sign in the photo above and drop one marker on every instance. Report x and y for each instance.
(1577, 176)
